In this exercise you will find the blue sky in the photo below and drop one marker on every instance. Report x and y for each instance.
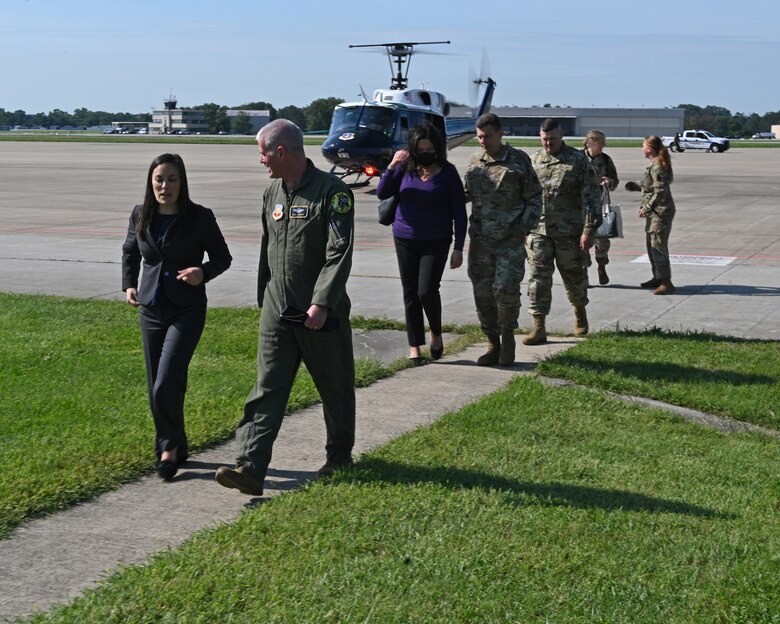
(128, 56)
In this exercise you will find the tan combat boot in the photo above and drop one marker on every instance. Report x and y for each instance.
(507, 355)
(538, 334)
(580, 321)
(602, 268)
(491, 356)
(665, 288)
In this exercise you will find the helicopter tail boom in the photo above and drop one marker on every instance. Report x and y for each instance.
(461, 129)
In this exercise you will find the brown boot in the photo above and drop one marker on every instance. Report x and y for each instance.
(603, 277)
(491, 356)
(538, 334)
(507, 355)
(651, 283)
(580, 321)
(665, 288)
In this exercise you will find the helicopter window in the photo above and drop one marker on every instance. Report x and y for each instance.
(404, 126)
(344, 119)
(371, 118)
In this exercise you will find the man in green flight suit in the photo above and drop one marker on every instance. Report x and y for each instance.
(305, 258)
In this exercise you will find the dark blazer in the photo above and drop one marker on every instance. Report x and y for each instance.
(193, 233)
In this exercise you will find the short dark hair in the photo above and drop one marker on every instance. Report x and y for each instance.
(549, 124)
(419, 133)
(489, 119)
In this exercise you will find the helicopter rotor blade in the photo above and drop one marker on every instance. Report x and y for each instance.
(473, 87)
(484, 70)
(395, 43)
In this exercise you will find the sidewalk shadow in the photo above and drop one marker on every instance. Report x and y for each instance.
(728, 289)
(523, 367)
(665, 374)
(283, 480)
(706, 289)
(371, 470)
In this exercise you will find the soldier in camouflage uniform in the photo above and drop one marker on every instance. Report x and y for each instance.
(307, 221)
(606, 173)
(570, 205)
(658, 211)
(505, 205)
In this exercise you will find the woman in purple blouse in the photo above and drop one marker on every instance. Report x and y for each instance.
(431, 205)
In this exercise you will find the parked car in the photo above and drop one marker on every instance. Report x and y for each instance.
(763, 135)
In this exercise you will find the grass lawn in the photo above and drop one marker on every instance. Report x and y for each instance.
(536, 504)
(723, 376)
(74, 413)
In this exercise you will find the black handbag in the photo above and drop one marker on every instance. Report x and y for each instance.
(387, 209)
(609, 226)
(610, 218)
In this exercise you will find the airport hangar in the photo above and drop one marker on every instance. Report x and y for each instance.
(614, 122)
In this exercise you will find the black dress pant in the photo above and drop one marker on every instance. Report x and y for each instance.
(421, 264)
(170, 335)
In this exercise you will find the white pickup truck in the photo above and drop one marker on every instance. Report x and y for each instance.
(697, 139)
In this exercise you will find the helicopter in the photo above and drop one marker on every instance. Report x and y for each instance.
(363, 136)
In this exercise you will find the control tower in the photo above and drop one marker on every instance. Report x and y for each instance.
(170, 105)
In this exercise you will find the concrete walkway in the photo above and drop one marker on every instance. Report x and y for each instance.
(53, 559)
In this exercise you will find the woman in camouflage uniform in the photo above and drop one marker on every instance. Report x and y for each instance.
(606, 172)
(658, 211)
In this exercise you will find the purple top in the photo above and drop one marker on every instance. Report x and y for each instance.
(426, 209)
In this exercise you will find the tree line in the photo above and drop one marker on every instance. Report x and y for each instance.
(721, 122)
(314, 117)
(317, 115)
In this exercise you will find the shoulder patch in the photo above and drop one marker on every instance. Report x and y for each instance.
(341, 203)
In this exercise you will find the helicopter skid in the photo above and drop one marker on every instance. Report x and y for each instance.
(357, 182)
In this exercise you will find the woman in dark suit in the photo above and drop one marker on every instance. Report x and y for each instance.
(170, 234)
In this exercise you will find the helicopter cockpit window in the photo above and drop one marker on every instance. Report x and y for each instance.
(344, 119)
(363, 117)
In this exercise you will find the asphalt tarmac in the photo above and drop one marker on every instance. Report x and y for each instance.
(65, 208)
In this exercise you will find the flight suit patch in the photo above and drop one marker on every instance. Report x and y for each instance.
(299, 212)
(278, 212)
(341, 203)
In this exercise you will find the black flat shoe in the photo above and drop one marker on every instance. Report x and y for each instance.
(180, 461)
(417, 360)
(166, 470)
(437, 353)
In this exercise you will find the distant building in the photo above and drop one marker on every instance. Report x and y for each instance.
(168, 121)
(174, 120)
(258, 118)
(614, 122)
